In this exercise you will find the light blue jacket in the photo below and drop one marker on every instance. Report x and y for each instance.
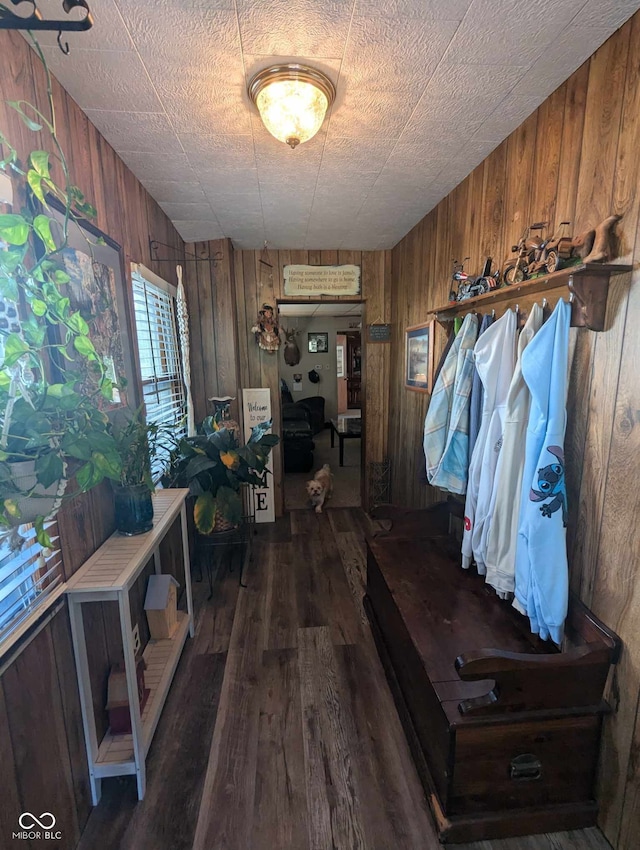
(446, 425)
(542, 576)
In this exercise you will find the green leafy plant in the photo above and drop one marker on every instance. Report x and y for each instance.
(213, 465)
(141, 445)
(47, 358)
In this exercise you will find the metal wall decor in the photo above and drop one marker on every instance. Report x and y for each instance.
(11, 21)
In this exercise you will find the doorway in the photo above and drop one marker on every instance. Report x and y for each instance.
(320, 368)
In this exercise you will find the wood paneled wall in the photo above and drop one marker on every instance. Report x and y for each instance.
(42, 756)
(575, 158)
(224, 299)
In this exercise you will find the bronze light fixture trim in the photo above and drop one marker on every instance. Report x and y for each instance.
(292, 101)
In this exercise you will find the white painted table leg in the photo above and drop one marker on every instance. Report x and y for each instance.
(187, 566)
(86, 702)
(132, 689)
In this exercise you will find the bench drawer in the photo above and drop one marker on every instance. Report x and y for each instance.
(516, 765)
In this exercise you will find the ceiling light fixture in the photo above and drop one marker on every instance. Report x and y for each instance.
(292, 101)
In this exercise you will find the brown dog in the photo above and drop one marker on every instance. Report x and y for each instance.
(320, 488)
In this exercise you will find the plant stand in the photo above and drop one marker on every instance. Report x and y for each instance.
(108, 576)
(241, 536)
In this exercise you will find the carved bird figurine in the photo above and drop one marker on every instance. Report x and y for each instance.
(291, 350)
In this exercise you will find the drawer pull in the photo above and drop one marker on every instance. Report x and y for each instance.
(526, 768)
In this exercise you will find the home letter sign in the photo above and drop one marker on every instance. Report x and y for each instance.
(256, 405)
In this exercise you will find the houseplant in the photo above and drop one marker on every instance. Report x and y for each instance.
(51, 426)
(214, 466)
(142, 446)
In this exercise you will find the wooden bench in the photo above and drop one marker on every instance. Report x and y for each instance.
(504, 728)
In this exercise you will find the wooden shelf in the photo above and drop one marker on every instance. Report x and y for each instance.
(588, 282)
(115, 754)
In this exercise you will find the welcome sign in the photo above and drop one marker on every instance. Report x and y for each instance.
(256, 408)
(322, 280)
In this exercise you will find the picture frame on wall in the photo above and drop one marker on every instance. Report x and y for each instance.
(318, 342)
(419, 354)
(95, 265)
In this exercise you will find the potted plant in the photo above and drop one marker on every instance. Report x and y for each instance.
(140, 445)
(214, 466)
(51, 377)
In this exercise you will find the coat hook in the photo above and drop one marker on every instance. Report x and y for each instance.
(493, 314)
(544, 303)
(571, 296)
(517, 309)
(64, 47)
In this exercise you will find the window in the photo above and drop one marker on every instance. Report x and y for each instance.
(27, 577)
(163, 387)
(28, 574)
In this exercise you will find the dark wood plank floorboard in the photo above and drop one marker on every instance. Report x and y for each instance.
(280, 732)
(280, 814)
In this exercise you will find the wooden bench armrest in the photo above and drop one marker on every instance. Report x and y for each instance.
(529, 682)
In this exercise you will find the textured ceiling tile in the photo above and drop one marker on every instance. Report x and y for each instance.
(395, 54)
(209, 154)
(158, 166)
(110, 79)
(468, 81)
(188, 212)
(174, 191)
(371, 115)
(198, 231)
(509, 32)
(298, 27)
(347, 154)
(571, 48)
(141, 131)
(107, 32)
(607, 13)
(184, 32)
(437, 10)
(203, 110)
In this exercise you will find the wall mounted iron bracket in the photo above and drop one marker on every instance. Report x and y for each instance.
(35, 22)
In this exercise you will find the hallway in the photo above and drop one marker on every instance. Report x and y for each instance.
(280, 732)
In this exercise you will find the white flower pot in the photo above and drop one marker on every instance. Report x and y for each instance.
(42, 501)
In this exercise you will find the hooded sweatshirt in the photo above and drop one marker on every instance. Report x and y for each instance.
(502, 530)
(495, 357)
(446, 425)
(542, 576)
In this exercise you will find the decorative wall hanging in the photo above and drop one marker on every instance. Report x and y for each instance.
(266, 330)
(183, 330)
(322, 280)
(419, 357)
(291, 350)
(318, 343)
(34, 22)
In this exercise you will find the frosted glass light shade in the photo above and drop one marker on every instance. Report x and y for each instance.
(292, 101)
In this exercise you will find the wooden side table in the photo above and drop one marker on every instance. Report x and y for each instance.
(109, 575)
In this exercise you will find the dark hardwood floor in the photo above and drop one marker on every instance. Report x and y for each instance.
(280, 732)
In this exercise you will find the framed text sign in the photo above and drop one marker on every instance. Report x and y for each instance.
(379, 333)
(322, 280)
(256, 408)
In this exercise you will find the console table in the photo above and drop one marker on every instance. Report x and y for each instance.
(348, 428)
(108, 576)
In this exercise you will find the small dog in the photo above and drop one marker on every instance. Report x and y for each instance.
(320, 488)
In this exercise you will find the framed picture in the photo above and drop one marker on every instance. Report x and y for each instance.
(318, 343)
(419, 357)
(95, 265)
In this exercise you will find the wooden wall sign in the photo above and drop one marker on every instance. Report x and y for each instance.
(322, 280)
(256, 408)
(379, 333)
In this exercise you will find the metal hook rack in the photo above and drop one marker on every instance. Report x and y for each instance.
(36, 23)
(155, 244)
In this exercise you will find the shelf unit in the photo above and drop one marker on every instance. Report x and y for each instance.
(588, 283)
(108, 576)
